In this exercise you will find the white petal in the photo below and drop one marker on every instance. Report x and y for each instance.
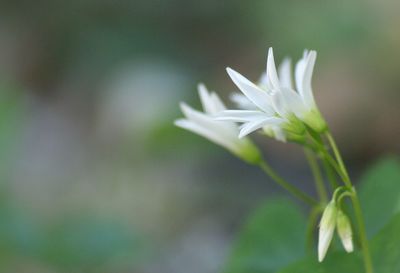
(217, 103)
(272, 75)
(252, 126)
(293, 102)
(205, 98)
(279, 104)
(255, 94)
(303, 75)
(263, 82)
(240, 115)
(285, 74)
(242, 101)
(306, 85)
(194, 115)
(207, 133)
(227, 129)
(299, 75)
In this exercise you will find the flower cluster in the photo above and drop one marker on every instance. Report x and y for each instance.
(275, 96)
(282, 105)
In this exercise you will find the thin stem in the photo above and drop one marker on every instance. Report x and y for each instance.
(286, 185)
(362, 233)
(356, 205)
(330, 174)
(343, 195)
(319, 182)
(337, 192)
(319, 147)
(339, 158)
(331, 161)
(312, 220)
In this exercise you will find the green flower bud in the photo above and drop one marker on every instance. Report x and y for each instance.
(344, 230)
(326, 229)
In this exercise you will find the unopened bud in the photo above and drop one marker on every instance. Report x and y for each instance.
(344, 231)
(326, 229)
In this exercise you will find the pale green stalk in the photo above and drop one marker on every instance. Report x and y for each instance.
(330, 174)
(319, 182)
(356, 205)
(286, 185)
(312, 223)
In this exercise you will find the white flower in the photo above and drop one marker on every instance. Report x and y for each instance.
(241, 101)
(222, 133)
(326, 229)
(272, 130)
(275, 97)
(263, 116)
(344, 230)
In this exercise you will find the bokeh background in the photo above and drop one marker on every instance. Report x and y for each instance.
(95, 178)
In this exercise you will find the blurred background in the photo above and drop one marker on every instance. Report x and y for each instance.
(94, 177)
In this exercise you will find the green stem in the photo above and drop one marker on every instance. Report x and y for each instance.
(339, 159)
(286, 185)
(319, 147)
(319, 182)
(362, 233)
(331, 161)
(356, 204)
(312, 220)
(330, 174)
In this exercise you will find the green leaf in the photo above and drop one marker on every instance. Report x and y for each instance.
(334, 262)
(89, 243)
(385, 251)
(380, 194)
(386, 248)
(273, 237)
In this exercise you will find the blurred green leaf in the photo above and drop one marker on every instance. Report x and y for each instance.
(380, 193)
(334, 262)
(386, 248)
(90, 243)
(273, 237)
(11, 110)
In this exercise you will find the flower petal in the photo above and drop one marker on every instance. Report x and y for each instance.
(205, 98)
(306, 84)
(218, 104)
(242, 101)
(285, 74)
(240, 115)
(293, 102)
(255, 94)
(207, 133)
(299, 72)
(279, 104)
(272, 75)
(252, 126)
(207, 121)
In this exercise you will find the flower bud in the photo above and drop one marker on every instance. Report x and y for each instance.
(344, 230)
(326, 229)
